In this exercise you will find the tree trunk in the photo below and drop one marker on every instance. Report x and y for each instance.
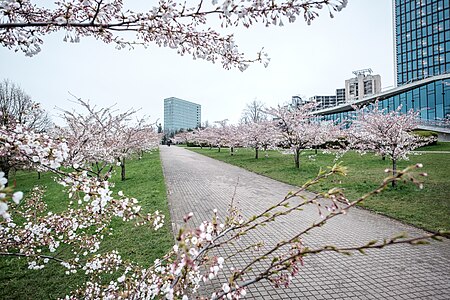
(219, 149)
(297, 158)
(256, 153)
(39, 175)
(315, 149)
(122, 167)
(394, 171)
(231, 151)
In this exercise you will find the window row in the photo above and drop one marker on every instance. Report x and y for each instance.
(405, 76)
(437, 53)
(423, 50)
(402, 6)
(413, 35)
(431, 100)
(420, 17)
(414, 64)
(406, 32)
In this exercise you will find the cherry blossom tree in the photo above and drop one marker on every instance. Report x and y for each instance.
(192, 262)
(183, 137)
(325, 132)
(101, 138)
(31, 231)
(16, 106)
(134, 139)
(220, 134)
(387, 133)
(208, 135)
(17, 110)
(182, 270)
(233, 137)
(94, 137)
(296, 128)
(263, 135)
(173, 24)
(200, 137)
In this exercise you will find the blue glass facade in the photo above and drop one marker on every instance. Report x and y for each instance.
(422, 55)
(422, 38)
(432, 99)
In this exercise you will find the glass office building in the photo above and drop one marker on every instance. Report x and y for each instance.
(430, 96)
(181, 114)
(422, 38)
(422, 55)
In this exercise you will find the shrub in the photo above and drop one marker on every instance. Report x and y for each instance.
(427, 134)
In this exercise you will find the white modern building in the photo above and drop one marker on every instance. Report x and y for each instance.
(324, 101)
(363, 85)
(298, 101)
(329, 100)
(340, 96)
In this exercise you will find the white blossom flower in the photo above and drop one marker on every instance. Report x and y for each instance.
(3, 207)
(17, 196)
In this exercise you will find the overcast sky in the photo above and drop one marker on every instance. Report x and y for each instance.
(305, 60)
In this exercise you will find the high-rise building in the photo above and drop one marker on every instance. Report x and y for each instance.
(422, 55)
(181, 114)
(422, 39)
(363, 85)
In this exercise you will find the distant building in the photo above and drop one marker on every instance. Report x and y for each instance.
(422, 63)
(181, 114)
(329, 100)
(363, 85)
(298, 101)
(340, 96)
(324, 101)
(429, 96)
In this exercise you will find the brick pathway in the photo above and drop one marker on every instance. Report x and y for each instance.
(199, 184)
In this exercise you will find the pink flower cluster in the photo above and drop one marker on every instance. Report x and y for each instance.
(170, 24)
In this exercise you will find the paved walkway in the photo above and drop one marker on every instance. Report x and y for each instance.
(199, 184)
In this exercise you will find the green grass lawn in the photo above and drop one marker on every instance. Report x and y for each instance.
(428, 208)
(140, 244)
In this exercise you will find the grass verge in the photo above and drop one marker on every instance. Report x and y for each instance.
(428, 208)
(142, 245)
